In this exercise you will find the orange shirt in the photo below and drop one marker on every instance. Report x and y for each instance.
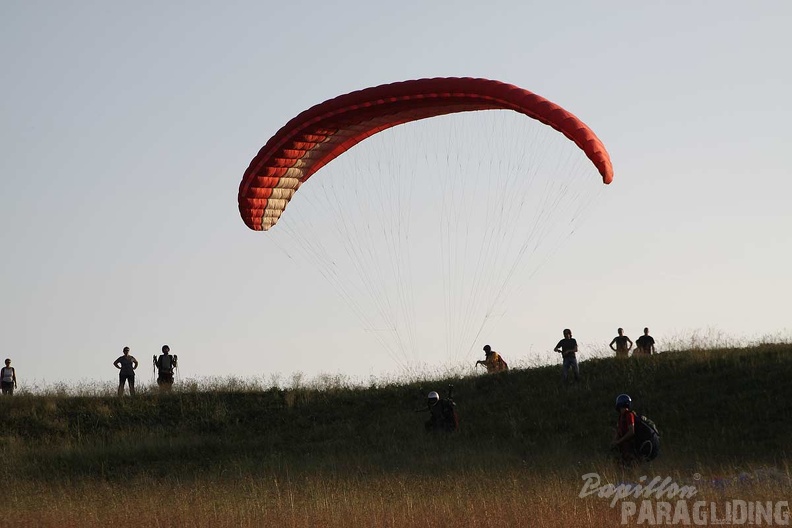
(625, 421)
(493, 362)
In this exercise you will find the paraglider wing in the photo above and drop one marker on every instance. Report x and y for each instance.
(320, 134)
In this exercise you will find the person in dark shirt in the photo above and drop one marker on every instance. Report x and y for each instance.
(645, 345)
(568, 348)
(166, 364)
(127, 365)
(442, 414)
(623, 344)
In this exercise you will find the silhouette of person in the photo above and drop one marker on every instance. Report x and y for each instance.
(166, 363)
(568, 348)
(8, 378)
(493, 361)
(127, 365)
(645, 345)
(623, 344)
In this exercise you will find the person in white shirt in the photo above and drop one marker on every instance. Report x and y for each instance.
(8, 378)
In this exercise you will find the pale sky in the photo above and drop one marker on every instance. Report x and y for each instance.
(126, 127)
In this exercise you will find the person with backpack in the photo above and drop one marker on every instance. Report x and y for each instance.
(442, 414)
(166, 364)
(492, 361)
(636, 438)
(8, 377)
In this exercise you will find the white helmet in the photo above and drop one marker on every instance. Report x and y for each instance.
(433, 397)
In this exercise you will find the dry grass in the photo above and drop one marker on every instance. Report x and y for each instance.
(328, 453)
(322, 501)
(468, 499)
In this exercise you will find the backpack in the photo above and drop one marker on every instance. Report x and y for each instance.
(647, 437)
(450, 417)
(165, 363)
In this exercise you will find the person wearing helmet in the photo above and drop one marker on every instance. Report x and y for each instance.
(492, 361)
(624, 439)
(127, 365)
(442, 414)
(166, 364)
(568, 348)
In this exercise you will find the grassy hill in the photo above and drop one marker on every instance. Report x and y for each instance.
(717, 410)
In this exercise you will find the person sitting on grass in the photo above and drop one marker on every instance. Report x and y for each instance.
(492, 361)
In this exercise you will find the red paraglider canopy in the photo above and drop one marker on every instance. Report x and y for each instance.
(320, 134)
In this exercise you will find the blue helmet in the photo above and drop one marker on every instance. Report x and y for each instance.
(623, 400)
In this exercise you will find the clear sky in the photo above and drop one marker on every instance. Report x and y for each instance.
(126, 126)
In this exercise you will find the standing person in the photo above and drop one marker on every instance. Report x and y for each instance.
(127, 365)
(568, 349)
(645, 345)
(493, 361)
(8, 377)
(166, 364)
(623, 344)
